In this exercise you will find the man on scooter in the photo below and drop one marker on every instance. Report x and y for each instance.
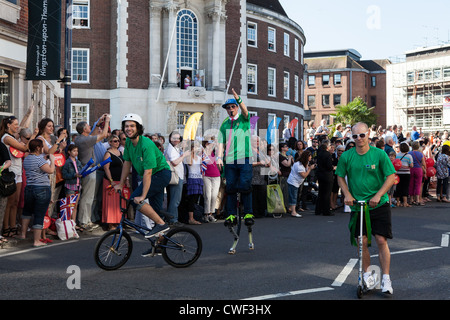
(370, 174)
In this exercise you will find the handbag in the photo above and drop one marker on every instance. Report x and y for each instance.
(66, 229)
(7, 183)
(174, 179)
(275, 201)
(65, 226)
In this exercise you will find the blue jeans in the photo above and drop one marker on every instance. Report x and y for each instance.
(175, 192)
(238, 176)
(155, 194)
(36, 201)
(293, 193)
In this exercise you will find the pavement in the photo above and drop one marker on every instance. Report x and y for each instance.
(19, 244)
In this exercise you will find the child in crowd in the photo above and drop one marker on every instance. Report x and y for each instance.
(71, 174)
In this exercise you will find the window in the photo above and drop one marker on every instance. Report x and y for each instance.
(182, 118)
(327, 119)
(311, 81)
(373, 81)
(272, 39)
(187, 40)
(271, 82)
(373, 101)
(296, 88)
(336, 99)
(437, 73)
(446, 72)
(79, 112)
(296, 49)
(80, 14)
(326, 80)
(286, 44)
(80, 65)
(326, 100)
(286, 85)
(5, 91)
(252, 38)
(337, 79)
(252, 73)
(311, 101)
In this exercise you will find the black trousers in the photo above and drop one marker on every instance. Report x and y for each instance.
(325, 187)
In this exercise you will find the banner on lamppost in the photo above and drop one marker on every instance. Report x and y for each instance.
(44, 40)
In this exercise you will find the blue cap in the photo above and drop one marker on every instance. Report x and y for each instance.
(230, 101)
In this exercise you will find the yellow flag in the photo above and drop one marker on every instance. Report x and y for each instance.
(191, 126)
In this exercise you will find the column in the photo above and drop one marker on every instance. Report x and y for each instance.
(155, 45)
(171, 69)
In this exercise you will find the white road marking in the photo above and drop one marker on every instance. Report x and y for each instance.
(290, 293)
(340, 279)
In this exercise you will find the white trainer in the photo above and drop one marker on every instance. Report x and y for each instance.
(386, 286)
(371, 280)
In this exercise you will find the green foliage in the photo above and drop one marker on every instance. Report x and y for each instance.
(354, 112)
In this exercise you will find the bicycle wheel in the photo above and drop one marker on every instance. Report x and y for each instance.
(112, 250)
(181, 247)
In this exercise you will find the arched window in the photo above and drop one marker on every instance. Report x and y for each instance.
(187, 40)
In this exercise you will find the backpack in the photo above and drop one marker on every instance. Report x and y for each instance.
(7, 183)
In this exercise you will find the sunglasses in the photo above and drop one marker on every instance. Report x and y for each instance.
(232, 106)
(114, 140)
(361, 135)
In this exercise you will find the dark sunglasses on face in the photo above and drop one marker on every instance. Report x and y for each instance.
(361, 135)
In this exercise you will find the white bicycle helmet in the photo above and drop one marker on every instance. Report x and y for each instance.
(133, 117)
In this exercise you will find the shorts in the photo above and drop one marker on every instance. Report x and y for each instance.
(380, 221)
(18, 178)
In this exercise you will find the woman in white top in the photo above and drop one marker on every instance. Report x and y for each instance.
(300, 170)
(174, 154)
(9, 130)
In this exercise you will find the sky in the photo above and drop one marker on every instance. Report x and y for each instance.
(377, 29)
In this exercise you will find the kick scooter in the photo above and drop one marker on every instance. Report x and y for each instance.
(232, 221)
(362, 287)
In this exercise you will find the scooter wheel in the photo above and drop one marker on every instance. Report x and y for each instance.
(359, 292)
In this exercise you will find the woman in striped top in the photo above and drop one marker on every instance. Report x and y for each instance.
(37, 190)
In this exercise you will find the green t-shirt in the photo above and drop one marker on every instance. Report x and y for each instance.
(240, 145)
(144, 156)
(365, 173)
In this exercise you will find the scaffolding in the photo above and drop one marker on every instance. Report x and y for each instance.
(418, 90)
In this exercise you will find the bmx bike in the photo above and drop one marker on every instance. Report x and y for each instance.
(180, 247)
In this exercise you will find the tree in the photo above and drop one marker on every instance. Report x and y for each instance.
(354, 112)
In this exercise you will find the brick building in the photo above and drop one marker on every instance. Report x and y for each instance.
(337, 77)
(16, 93)
(135, 56)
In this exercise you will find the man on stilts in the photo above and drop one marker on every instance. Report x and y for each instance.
(235, 147)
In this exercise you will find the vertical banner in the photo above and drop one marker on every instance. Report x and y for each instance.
(44, 40)
(446, 110)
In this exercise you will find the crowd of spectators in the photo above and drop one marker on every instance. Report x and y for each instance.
(304, 169)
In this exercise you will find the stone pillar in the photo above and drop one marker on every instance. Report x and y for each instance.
(155, 45)
(171, 71)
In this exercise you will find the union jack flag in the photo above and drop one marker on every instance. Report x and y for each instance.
(66, 206)
(205, 161)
